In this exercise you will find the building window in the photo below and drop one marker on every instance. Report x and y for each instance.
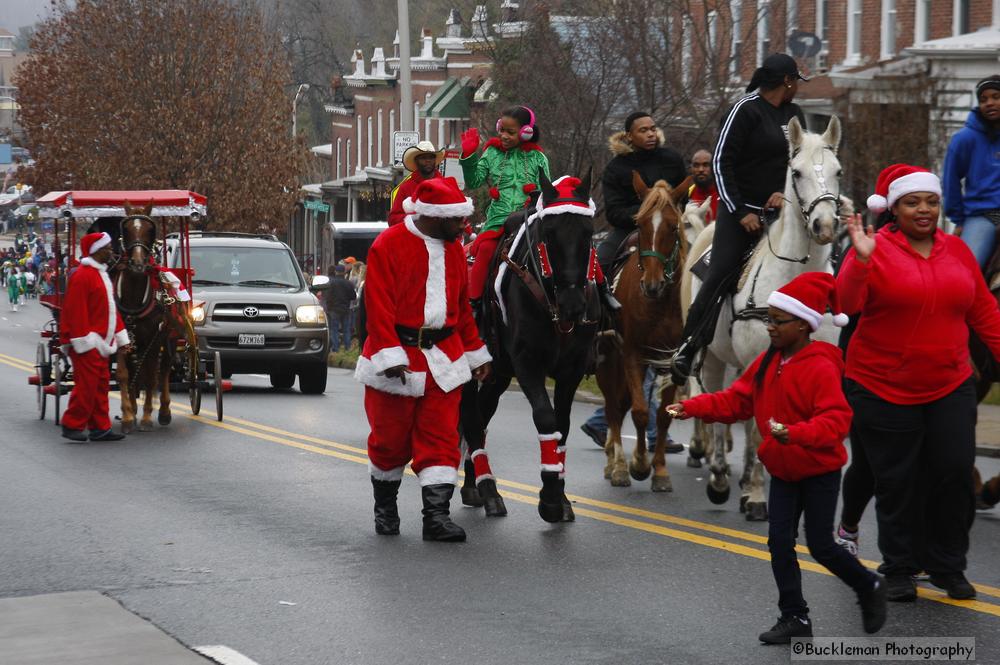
(736, 12)
(853, 31)
(713, 30)
(791, 16)
(888, 29)
(686, 48)
(763, 31)
(922, 22)
(960, 15)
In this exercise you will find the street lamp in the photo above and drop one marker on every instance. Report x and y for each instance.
(295, 103)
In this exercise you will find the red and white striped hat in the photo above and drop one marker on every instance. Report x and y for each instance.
(438, 197)
(92, 242)
(808, 296)
(898, 180)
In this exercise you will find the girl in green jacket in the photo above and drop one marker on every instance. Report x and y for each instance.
(509, 164)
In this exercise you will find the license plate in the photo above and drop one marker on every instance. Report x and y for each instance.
(250, 340)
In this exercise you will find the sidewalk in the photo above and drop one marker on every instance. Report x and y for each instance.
(83, 628)
(988, 431)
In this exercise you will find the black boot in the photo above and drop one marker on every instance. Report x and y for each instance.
(683, 362)
(386, 513)
(437, 524)
(608, 298)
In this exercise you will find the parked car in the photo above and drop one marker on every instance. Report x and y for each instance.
(254, 306)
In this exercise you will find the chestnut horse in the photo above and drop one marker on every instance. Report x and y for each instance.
(648, 332)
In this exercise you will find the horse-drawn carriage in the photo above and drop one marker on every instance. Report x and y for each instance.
(153, 301)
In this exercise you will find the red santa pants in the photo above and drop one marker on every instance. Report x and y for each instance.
(88, 403)
(424, 429)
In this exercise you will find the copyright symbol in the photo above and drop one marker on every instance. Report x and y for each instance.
(798, 647)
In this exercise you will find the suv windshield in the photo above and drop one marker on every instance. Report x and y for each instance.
(244, 266)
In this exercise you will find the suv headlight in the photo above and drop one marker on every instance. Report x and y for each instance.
(198, 315)
(310, 315)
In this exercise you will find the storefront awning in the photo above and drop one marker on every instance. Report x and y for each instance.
(450, 102)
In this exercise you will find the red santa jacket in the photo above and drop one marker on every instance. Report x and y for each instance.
(804, 394)
(417, 281)
(89, 319)
(403, 191)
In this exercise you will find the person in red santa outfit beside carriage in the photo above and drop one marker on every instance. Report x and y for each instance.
(91, 330)
(422, 347)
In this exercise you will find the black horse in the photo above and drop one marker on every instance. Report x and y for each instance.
(541, 325)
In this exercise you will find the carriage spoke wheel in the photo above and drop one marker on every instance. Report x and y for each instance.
(42, 370)
(217, 377)
(196, 373)
(57, 381)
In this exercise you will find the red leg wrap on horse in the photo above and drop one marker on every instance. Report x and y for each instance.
(561, 450)
(550, 452)
(481, 461)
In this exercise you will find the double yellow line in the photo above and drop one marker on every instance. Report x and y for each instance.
(648, 521)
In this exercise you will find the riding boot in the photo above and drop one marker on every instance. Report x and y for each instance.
(437, 523)
(698, 332)
(608, 298)
(386, 513)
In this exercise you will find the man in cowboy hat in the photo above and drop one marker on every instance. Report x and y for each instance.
(91, 330)
(422, 161)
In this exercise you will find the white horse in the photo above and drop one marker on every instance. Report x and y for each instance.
(799, 241)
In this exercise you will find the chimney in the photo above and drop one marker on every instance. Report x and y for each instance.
(395, 46)
(358, 59)
(479, 19)
(508, 11)
(378, 63)
(427, 47)
(453, 26)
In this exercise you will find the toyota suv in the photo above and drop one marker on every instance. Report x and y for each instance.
(254, 306)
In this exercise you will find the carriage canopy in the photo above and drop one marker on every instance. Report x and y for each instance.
(86, 203)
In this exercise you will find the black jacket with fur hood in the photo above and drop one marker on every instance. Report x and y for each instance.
(621, 203)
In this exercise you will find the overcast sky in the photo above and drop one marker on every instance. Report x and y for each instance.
(15, 13)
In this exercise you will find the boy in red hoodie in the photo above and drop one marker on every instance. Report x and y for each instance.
(793, 391)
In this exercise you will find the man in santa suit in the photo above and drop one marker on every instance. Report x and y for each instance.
(422, 347)
(90, 329)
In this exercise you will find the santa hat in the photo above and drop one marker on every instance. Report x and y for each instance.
(808, 296)
(898, 180)
(566, 201)
(92, 242)
(438, 197)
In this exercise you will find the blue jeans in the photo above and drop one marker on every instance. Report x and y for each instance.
(599, 423)
(340, 330)
(980, 235)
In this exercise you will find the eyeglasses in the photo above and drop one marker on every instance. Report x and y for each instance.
(769, 321)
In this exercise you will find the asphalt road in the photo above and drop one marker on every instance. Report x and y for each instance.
(256, 533)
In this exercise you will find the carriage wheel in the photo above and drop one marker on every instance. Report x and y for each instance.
(42, 370)
(217, 376)
(57, 381)
(194, 385)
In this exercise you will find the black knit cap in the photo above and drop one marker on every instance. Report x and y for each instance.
(988, 83)
(632, 117)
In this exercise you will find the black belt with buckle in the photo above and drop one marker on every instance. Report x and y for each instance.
(425, 338)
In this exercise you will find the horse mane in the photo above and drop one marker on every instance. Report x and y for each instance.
(660, 197)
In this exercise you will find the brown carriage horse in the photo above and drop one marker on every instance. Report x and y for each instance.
(153, 320)
(648, 287)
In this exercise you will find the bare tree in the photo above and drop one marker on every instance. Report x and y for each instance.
(132, 94)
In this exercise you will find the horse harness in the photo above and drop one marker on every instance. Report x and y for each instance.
(670, 263)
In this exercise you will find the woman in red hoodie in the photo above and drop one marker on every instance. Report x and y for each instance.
(793, 391)
(910, 379)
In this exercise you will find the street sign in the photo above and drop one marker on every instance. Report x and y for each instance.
(318, 206)
(804, 44)
(400, 142)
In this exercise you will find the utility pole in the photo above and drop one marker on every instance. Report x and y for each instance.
(405, 89)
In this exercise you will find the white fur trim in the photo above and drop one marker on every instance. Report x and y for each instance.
(366, 373)
(877, 203)
(391, 356)
(103, 241)
(448, 374)
(786, 303)
(438, 475)
(108, 344)
(463, 209)
(385, 474)
(550, 437)
(570, 208)
(485, 476)
(841, 320)
(121, 337)
(435, 297)
(479, 357)
(477, 453)
(88, 342)
(557, 468)
(921, 181)
(408, 205)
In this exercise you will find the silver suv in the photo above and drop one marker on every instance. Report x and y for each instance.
(254, 307)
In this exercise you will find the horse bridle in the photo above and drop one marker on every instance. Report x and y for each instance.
(136, 243)
(670, 263)
(824, 195)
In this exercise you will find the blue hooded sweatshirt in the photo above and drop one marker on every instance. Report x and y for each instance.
(973, 157)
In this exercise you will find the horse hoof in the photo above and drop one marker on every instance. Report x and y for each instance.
(756, 511)
(495, 507)
(567, 510)
(620, 479)
(693, 462)
(146, 427)
(695, 453)
(743, 502)
(716, 496)
(550, 512)
(471, 497)
(662, 484)
(607, 473)
(164, 419)
(128, 427)
(639, 473)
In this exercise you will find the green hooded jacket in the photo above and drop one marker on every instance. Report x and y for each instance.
(508, 172)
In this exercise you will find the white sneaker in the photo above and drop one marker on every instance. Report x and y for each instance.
(849, 541)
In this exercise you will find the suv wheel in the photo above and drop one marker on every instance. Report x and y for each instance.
(312, 379)
(283, 380)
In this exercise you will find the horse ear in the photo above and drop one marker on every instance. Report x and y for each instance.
(639, 185)
(582, 191)
(794, 133)
(148, 210)
(831, 136)
(705, 206)
(549, 192)
(678, 193)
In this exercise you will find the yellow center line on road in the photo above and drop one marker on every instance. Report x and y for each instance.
(359, 456)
